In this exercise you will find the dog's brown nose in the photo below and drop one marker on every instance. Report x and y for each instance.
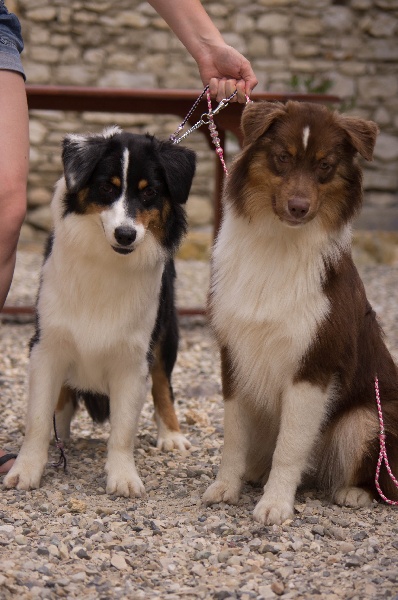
(298, 207)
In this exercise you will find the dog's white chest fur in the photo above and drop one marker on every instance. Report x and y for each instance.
(267, 300)
(99, 313)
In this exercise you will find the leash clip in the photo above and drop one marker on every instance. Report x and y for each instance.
(223, 104)
(205, 118)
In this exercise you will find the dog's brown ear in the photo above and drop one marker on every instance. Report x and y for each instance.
(257, 117)
(361, 134)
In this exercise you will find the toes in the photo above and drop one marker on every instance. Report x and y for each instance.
(173, 440)
(221, 491)
(352, 496)
(272, 511)
(127, 487)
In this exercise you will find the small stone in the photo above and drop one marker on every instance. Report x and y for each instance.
(223, 556)
(360, 536)
(318, 530)
(21, 540)
(269, 548)
(335, 532)
(53, 550)
(353, 561)
(41, 551)
(278, 588)
(77, 577)
(346, 547)
(77, 506)
(234, 560)
(6, 528)
(82, 553)
(63, 551)
(119, 562)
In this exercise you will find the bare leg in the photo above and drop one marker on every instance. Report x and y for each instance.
(14, 157)
(14, 162)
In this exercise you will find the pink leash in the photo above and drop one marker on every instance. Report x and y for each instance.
(383, 451)
(205, 119)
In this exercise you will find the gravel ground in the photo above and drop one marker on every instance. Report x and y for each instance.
(69, 539)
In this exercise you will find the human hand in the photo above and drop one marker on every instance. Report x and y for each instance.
(225, 70)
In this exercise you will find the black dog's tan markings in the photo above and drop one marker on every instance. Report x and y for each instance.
(142, 184)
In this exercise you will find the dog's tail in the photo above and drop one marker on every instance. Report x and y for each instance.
(348, 453)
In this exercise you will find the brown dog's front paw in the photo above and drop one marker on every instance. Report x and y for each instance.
(355, 497)
(221, 491)
(272, 511)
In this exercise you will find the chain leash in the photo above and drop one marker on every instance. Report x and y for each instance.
(205, 119)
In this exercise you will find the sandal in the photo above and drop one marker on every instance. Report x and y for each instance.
(4, 459)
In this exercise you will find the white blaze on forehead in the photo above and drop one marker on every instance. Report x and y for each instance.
(306, 135)
(125, 168)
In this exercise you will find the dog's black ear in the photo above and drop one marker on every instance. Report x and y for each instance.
(178, 164)
(361, 134)
(81, 154)
(257, 117)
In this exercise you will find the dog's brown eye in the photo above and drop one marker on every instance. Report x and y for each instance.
(324, 165)
(284, 157)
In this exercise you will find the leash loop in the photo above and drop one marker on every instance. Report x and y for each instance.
(383, 451)
(205, 119)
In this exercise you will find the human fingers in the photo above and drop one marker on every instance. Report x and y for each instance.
(225, 88)
(241, 89)
(217, 87)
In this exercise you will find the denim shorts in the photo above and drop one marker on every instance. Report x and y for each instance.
(11, 43)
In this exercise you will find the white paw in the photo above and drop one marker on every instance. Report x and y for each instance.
(272, 511)
(222, 491)
(26, 473)
(129, 486)
(355, 497)
(123, 479)
(172, 440)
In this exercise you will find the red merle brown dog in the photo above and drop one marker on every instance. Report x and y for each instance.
(300, 344)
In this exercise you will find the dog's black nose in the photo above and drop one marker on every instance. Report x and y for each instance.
(298, 207)
(125, 236)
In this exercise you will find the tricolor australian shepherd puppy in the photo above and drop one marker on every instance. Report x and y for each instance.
(300, 344)
(105, 309)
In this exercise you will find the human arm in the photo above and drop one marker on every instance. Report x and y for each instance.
(14, 147)
(220, 65)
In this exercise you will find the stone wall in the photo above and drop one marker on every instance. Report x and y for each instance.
(347, 47)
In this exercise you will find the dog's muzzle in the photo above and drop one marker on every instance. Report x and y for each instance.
(125, 237)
